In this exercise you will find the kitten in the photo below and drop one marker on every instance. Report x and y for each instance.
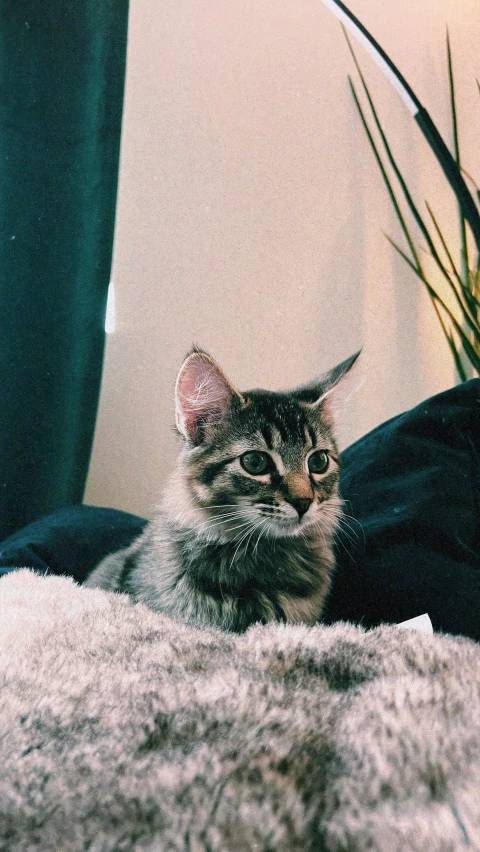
(245, 530)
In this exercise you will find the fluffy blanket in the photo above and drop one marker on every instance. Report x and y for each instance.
(123, 730)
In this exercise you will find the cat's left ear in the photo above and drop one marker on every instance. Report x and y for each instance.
(317, 394)
(203, 397)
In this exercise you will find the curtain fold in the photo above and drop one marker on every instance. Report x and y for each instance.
(62, 71)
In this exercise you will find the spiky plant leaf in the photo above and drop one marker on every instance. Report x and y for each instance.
(384, 174)
(408, 197)
(457, 358)
(467, 346)
(464, 286)
(453, 109)
(469, 304)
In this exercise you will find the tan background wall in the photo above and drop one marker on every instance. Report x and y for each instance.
(250, 214)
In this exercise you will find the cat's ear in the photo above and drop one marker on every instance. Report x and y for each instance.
(203, 396)
(317, 394)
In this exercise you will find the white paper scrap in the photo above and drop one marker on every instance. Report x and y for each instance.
(421, 622)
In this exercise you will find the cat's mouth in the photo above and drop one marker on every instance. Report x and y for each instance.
(281, 525)
(287, 527)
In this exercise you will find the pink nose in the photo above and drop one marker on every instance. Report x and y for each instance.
(301, 504)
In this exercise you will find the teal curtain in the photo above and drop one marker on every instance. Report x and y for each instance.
(62, 70)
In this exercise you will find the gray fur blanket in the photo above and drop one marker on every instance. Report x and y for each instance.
(123, 730)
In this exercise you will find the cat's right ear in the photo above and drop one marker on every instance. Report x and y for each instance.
(318, 394)
(203, 397)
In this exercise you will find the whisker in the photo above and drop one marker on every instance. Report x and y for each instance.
(232, 516)
(320, 529)
(248, 534)
(352, 535)
(354, 520)
(216, 521)
(242, 535)
(341, 543)
(222, 506)
(266, 525)
(236, 550)
(230, 529)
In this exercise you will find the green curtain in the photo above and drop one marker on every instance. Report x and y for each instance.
(62, 70)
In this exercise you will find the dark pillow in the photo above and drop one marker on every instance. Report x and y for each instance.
(71, 541)
(412, 487)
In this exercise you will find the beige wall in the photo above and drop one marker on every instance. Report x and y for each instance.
(250, 214)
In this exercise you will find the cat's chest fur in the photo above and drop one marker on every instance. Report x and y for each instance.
(219, 584)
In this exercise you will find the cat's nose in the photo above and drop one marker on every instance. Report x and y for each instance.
(301, 504)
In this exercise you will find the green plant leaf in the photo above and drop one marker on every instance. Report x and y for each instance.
(469, 304)
(453, 109)
(472, 355)
(472, 181)
(411, 204)
(444, 245)
(457, 358)
(415, 264)
(384, 174)
(462, 285)
(417, 271)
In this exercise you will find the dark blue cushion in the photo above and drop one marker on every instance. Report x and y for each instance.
(413, 486)
(71, 541)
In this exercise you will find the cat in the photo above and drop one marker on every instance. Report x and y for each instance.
(245, 530)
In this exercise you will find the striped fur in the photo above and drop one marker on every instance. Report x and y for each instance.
(229, 547)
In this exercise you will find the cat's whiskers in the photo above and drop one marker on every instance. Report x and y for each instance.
(337, 521)
(320, 530)
(342, 522)
(222, 506)
(266, 524)
(222, 522)
(346, 532)
(192, 503)
(219, 519)
(228, 529)
(254, 529)
(224, 518)
(343, 536)
(302, 535)
(344, 547)
(224, 514)
(345, 519)
(249, 533)
(242, 535)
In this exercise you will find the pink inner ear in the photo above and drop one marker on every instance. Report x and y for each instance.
(203, 396)
(327, 406)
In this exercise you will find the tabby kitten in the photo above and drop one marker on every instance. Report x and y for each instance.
(245, 530)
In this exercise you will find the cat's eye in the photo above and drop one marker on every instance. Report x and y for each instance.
(318, 462)
(255, 462)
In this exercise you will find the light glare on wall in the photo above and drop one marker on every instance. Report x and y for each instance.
(110, 313)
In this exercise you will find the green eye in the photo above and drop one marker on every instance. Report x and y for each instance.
(318, 462)
(255, 462)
